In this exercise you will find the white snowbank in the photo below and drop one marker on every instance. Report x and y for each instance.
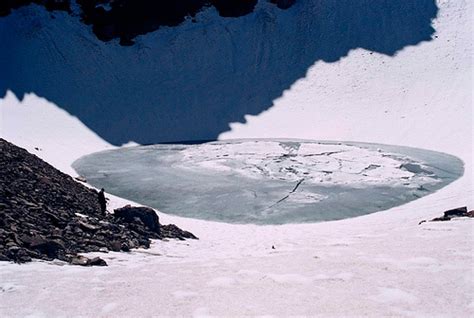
(383, 264)
(47, 131)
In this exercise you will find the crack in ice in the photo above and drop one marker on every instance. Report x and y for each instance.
(286, 196)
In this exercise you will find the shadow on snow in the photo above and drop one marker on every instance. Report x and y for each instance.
(189, 82)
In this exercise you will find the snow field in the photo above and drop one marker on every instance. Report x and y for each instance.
(383, 264)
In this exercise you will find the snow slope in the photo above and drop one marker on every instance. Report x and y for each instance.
(47, 131)
(383, 264)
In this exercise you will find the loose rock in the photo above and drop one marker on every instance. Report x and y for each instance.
(45, 214)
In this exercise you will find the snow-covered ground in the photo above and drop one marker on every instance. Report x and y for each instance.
(383, 264)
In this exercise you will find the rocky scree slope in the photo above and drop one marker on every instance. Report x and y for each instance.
(45, 214)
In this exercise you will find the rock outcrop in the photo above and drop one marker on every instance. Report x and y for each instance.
(45, 214)
(452, 213)
(126, 19)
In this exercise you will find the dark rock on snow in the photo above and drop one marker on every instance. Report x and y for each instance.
(456, 212)
(452, 213)
(172, 231)
(85, 261)
(145, 215)
(441, 218)
(45, 214)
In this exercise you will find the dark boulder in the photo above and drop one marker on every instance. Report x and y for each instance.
(125, 247)
(51, 248)
(462, 211)
(85, 261)
(172, 231)
(17, 254)
(97, 261)
(452, 213)
(116, 246)
(146, 215)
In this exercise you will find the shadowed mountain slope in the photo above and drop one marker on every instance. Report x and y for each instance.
(190, 81)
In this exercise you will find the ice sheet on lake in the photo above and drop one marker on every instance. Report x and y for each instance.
(270, 181)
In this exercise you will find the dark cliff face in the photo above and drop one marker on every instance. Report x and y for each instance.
(126, 19)
(7, 5)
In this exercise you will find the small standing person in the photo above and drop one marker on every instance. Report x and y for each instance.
(102, 201)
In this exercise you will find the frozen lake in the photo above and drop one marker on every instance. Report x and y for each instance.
(270, 181)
